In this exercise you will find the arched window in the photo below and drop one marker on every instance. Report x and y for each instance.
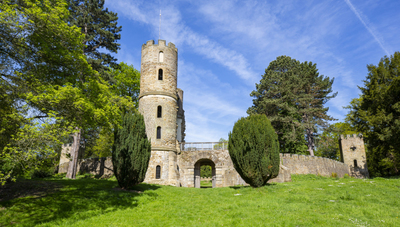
(159, 111)
(158, 172)
(355, 163)
(160, 74)
(161, 56)
(158, 132)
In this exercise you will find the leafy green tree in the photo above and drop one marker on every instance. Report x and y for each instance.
(328, 142)
(37, 49)
(223, 144)
(100, 31)
(376, 114)
(254, 149)
(126, 82)
(45, 75)
(33, 145)
(292, 95)
(98, 140)
(205, 171)
(131, 151)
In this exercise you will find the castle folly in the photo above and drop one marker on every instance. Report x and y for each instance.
(175, 162)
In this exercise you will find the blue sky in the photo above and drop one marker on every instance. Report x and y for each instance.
(225, 46)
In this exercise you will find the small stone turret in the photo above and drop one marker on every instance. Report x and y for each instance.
(352, 153)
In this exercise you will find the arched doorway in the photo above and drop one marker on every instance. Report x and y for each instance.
(197, 170)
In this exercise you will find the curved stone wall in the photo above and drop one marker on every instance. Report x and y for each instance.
(148, 107)
(150, 66)
(305, 164)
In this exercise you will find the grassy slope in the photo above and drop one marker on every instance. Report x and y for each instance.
(307, 201)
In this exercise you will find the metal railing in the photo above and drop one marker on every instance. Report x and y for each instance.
(203, 146)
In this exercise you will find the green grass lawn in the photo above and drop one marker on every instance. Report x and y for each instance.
(206, 184)
(307, 201)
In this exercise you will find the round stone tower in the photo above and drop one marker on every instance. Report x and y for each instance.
(158, 103)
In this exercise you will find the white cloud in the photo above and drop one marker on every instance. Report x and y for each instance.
(173, 29)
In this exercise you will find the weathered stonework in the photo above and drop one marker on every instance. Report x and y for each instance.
(352, 152)
(101, 167)
(158, 81)
(189, 163)
(306, 164)
(65, 151)
(182, 167)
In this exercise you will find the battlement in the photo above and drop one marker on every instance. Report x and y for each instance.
(66, 145)
(352, 136)
(161, 43)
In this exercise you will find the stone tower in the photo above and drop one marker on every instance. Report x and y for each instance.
(352, 153)
(159, 103)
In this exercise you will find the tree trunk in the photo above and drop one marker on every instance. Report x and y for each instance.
(310, 141)
(72, 167)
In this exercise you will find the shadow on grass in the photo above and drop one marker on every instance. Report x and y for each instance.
(74, 199)
(205, 186)
(239, 187)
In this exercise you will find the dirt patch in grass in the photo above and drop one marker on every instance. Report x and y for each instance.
(25, 188)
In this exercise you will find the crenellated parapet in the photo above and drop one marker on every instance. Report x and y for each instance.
(161, 43)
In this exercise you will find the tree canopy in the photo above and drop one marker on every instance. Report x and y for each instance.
(46, 80)
(376, 113)
(327, 144)
(292, 95)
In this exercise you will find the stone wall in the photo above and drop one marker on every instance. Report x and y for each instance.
(148, 107)
(167, 161)
(101, 167)
(150, 66)
(305, 164)
(352, 152)
(225, 174)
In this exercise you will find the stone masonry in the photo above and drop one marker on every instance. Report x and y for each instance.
(161, 104)
(352, 153)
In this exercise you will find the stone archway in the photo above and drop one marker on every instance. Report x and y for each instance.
(197, 167)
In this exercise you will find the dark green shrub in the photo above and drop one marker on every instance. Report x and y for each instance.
(42, 173)
(131, 151)
(254, 150)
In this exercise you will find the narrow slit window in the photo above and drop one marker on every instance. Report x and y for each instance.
(161, 57)
(160, 74)
(158, 132)
(158, 172)
(159, 111)
(355, 163)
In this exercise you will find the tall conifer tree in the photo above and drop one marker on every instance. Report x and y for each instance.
(131, 151)
(376, 113)
(292, 95)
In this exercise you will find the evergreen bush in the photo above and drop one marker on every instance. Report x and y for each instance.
(131, 151)
(254, 150)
